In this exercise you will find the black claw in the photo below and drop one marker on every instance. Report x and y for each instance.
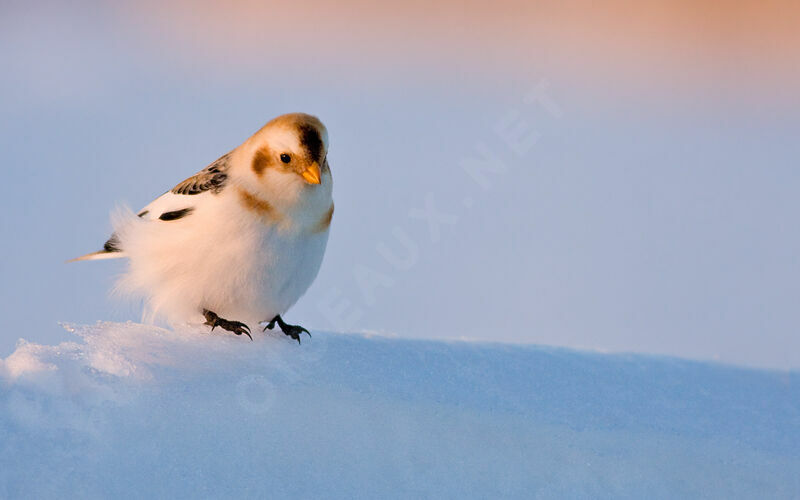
(248, 334)
(293, 331)
(236, 327)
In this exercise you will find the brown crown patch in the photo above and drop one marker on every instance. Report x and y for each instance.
(297, 120)
(309, 130)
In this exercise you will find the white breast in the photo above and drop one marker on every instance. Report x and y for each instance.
(290, 263)
(222, 258)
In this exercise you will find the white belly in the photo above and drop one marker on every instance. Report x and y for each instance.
(221, 260)
(290, 265)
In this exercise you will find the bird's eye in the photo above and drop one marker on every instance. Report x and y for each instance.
(285, 158)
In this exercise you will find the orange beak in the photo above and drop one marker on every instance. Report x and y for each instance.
(312, 174)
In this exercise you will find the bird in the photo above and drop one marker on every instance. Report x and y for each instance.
(239, 242)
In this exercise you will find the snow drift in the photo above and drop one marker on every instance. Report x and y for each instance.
(130, 410)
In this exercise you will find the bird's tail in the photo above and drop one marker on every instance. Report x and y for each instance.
(102, 254)
(111, 250)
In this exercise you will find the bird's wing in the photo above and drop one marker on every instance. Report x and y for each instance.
(175, 204)
(212, 178)
(180, 200)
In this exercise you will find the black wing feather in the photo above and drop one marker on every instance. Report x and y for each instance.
(212, 178)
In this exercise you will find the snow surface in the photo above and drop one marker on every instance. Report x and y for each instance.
(130, 410)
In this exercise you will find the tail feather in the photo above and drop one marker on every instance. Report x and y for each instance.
(100, 255)
(111, 250)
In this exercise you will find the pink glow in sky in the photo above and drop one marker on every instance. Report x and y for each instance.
(712, 48)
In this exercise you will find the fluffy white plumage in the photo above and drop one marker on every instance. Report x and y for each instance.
(243, 238)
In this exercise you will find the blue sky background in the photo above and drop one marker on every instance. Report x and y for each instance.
(642, 221)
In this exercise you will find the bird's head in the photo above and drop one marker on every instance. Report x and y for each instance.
(291, 149)
(283, 168)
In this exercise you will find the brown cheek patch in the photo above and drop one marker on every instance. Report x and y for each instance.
(262, 160)
(325, 222)
(258, 206)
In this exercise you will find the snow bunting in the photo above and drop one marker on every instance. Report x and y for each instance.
(240, 241)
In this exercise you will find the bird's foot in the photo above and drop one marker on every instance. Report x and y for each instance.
(237, 327)
(292, 331)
